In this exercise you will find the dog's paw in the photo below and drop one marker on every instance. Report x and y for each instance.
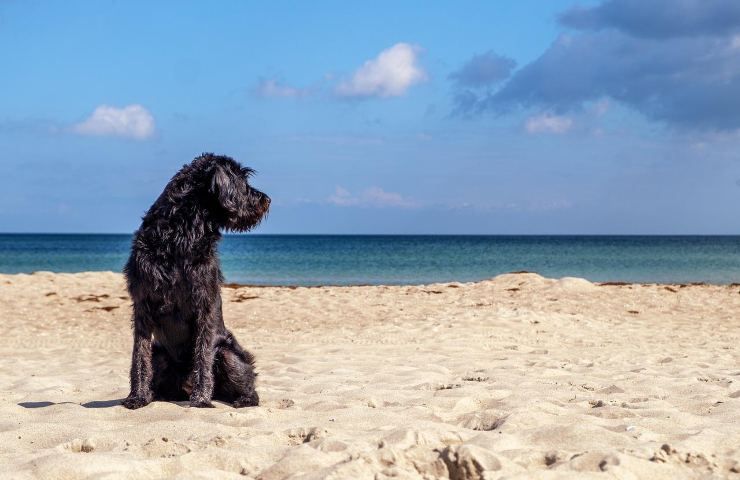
(201, 403)
(132, 403)
(247, 401)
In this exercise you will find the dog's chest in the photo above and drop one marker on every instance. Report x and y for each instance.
(173, 330)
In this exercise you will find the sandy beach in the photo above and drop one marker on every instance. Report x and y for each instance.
(515, 377)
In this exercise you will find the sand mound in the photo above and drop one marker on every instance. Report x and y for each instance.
(571, 284)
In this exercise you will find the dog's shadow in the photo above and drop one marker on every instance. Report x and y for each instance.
(93, 404)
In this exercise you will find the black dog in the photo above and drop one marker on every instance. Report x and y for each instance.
(181, 347)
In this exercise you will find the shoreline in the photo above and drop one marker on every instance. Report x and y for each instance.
(503, 235)
(237, 285)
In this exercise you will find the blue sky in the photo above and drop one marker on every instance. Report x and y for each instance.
(613, 117)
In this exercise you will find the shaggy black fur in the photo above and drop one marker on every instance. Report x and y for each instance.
(181, 347)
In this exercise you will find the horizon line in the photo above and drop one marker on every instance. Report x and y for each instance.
(232, 234)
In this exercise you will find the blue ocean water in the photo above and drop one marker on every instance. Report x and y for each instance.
(412, 259)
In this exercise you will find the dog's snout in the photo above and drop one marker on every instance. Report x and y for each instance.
(265, 202)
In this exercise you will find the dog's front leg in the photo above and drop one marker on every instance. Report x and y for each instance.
(203, 357)
(141, 366)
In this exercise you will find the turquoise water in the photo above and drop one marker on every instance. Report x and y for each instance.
(396, 259)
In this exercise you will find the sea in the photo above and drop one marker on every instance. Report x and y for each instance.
(307, 260)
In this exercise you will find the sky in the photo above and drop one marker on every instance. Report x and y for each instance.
(478, 117)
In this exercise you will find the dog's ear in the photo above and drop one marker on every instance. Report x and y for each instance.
(223, 187)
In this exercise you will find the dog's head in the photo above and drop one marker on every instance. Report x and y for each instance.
(235, 204)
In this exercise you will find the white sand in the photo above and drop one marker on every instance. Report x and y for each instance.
(518, 377)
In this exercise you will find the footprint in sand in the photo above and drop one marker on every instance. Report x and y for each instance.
(80, 446)
(297, 436)
(484, 421)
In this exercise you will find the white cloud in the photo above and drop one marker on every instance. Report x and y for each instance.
(273, 88)
(548, 123)
(390, 74)
(342, 197)
(601, 107)
(370, 197)
(132, 121)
